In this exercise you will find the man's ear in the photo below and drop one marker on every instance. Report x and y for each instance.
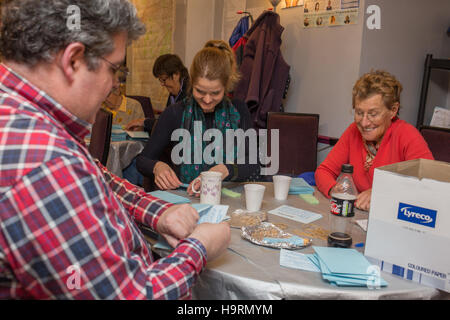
(71, 59)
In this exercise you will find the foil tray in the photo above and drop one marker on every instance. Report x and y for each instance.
(269, 235)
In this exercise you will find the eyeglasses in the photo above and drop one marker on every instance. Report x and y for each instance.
(372, 116)
(120, 72)
(163, 80)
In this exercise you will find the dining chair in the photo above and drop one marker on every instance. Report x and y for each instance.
(298, 137)
(146, 104)
(101, 136)
(438, 140)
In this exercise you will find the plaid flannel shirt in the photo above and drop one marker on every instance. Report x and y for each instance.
(68, 226)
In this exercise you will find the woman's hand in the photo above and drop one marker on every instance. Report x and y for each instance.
(363, 200)
(196, 183)
(222, 169)
(135, 125)
(165, 177)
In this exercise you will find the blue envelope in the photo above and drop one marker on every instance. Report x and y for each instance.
(212, 214)
(341, 260)
(300, 186)
(346, 267)
(117, 133)
(169, 197)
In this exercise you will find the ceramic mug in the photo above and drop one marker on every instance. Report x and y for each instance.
(211, 188)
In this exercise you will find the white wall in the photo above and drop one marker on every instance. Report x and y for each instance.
(199, 26)
(179, 32)
(326, 62)
(324, 65)
(409, 30)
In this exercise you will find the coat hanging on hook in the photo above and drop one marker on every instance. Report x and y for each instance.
(240, 29)
(264, 70)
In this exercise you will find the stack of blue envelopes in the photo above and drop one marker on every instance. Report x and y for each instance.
(346, 267)
(300, 186)
(210, 213)
(207, 212)
(117, 133)
(169, 197)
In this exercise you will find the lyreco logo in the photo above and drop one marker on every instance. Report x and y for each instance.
(418, 215)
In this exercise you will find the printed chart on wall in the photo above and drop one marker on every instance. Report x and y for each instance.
(330, 13)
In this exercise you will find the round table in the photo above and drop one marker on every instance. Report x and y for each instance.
(250, 271)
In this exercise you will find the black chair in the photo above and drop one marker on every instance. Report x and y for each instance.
(101, 136)
(438, 140)
(298, 133)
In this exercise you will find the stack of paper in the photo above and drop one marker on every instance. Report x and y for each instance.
(169, 197)
(300, 186)
(211, 213)
(208, 213)
(117, 133)
(295, 214)
(297, 260)
(341, 267)
(347, 267)
(138, 135)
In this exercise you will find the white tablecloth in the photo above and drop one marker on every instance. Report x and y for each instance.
(249, 271)
(122, 153)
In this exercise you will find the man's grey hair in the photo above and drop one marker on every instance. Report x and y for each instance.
(34, 31)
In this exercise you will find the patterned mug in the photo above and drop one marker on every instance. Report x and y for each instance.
(211, 188)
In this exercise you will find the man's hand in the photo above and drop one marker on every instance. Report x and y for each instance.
(363, 200)
(215, 237)
(177, 223)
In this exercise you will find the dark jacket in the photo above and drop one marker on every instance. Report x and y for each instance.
(264, 71)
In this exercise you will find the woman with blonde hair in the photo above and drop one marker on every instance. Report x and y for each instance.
(213, 74)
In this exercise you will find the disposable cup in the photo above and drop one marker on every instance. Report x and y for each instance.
(281, 186)
(254, 194)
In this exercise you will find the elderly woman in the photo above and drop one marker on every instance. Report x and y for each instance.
(172, 75)
(213, 74)
(376, 138)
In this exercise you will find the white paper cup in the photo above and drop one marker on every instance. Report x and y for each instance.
(281, 186)
(254, 194)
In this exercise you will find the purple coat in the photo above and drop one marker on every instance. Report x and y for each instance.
(264, 71)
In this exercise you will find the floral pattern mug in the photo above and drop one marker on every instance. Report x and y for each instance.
(211, 188)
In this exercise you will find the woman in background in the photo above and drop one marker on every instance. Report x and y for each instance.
(172, 75)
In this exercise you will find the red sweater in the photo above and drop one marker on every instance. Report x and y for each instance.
(401, 142)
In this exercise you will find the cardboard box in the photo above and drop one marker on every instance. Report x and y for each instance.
(409, 221)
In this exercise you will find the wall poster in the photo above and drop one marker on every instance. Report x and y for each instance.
(329, 13)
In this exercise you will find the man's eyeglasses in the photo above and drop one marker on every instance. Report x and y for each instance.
(120, 72)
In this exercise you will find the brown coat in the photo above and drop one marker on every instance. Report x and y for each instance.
(264, 71)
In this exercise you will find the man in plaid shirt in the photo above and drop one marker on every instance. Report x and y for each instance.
(67, 225)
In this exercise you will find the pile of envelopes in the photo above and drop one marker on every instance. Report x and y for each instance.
(117, 133)
(346, 267)
(300, 186)
(169, 197)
